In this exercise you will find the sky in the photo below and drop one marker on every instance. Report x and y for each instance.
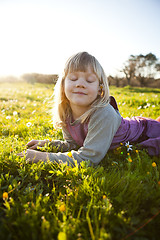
(38, 36)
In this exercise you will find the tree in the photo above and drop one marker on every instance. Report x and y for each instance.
(129, 69)
(141, 67)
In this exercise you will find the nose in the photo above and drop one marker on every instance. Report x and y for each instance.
(80, 83)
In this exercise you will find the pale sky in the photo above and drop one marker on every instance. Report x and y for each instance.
(40, 35)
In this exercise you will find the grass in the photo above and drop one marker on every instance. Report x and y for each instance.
(119, 199)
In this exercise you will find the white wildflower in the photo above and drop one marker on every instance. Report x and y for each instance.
(15, 113)
(29, 124)
(8, 117)
(148, 104)
(129, 147)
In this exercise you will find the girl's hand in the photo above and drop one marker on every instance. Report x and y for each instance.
(34, 156)
(33, 144)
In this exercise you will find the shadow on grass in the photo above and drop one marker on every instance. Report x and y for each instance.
(141, 90)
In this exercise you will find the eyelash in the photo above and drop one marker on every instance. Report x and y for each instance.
(89, 81)
(74, 79)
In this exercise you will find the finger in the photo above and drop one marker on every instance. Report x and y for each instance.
(33, 147)
(22, 154)
(31, 143)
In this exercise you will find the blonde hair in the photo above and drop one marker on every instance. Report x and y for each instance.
(78, 62)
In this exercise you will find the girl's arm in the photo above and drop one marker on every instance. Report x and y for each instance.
(55, 145)
(34, 156)
(101, 129)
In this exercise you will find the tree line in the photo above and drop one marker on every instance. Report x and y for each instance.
(139, 70)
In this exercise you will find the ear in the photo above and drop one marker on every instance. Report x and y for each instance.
(99, 91)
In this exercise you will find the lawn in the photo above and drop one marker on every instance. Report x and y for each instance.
(117, 200)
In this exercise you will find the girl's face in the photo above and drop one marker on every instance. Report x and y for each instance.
(81, 89)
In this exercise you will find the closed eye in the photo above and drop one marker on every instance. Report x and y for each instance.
(90, 80)
(73, 78)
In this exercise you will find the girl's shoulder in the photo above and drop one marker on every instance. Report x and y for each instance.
(106, 113)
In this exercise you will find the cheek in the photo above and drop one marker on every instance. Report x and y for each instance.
(64, 91)
(66, 87)
(96, 90)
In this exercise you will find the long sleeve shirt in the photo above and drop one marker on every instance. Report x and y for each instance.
(92, 138)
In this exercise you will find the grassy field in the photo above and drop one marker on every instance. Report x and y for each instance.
(117, 200)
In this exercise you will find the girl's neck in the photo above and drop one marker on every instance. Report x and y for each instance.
(77, 113)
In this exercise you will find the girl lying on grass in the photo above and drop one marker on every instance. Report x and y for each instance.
(89, 117)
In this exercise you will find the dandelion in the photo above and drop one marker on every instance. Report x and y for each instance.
(154, 164)
(69, 154)
(5, 196)
(104, 197)
(62, 236)
(129, 147)
(117, 150)
(28, 124)
(11, 149)
(62, 208)
(129, 159)
(137, 151)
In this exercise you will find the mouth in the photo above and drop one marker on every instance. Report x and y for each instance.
(80, 93)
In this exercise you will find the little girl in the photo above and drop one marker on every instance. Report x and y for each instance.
(90, 120)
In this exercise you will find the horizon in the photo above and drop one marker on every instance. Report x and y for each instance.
(39, 36)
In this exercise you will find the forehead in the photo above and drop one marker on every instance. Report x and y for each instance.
(81, 67)
(87, 71)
